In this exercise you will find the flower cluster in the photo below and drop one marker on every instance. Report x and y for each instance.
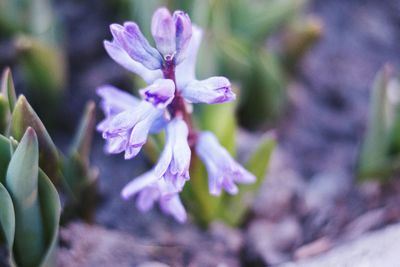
(169, 71)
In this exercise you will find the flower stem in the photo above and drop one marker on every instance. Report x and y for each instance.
(178, 107)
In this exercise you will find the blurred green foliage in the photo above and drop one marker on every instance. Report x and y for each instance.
(30, 168)
(380, 151)
(32, 34)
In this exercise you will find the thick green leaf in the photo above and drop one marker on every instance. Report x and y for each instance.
(83, 137)
(196, 195)
(7, 218)
(8, 89)
(51, 210)
(5, 157)
(80, 179)
(220, 119)
(22, 183)
(234, 208)
(23, 117)
(4, 114)
(373, 158)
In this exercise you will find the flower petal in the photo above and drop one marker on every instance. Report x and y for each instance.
(163, 31)
(183, 34)
(114, 98)
(117, 53)
(211, 91)
(185, 71)
(138, 184)
(135, 44)
(222, 170)
(172, 205)
(160, 93)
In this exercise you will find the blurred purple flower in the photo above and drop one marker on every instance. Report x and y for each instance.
(174, 161)
(222, 170)
(149, 189)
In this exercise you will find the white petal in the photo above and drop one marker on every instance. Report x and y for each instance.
(138, 184)
(186, 70)
(122, 57)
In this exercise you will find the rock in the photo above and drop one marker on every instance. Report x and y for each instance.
(270, 242)
(312, 249)
(380, 248)
(370, 220)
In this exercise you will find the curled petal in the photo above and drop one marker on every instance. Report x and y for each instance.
(160, 93)
(223, 171)
(174, 161)
(211, 91)
(163, 31)
(183, 34)
(138, 184)
(117, 53)
(116, 144)
(149, 189)
(136, 46)
(172, 205)
(185, 71)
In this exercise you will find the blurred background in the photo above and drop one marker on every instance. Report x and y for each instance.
(322, 74)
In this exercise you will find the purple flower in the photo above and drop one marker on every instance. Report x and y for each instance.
(160, 93)
(149, 189)
(127, 123)
(171, 33)
(212, 90)
(174, 161)
(136, 45)
(222, 170)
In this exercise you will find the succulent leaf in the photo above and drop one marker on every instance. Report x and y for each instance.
(23, 117)
(51, 209)
(8, 89)
(22, 183)
(7, 218)
(5, 157)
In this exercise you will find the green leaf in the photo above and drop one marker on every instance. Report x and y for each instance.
(8, 89)
(4, 114)
(220, 119)
(234, 208)
(22, 183)
(44, 68)
(80, 179)
(23, 117)
(262, 19)
(83, 137)
(5, 157)
(7, 218)
(51, 210)
(196, 195)
(373, 157)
